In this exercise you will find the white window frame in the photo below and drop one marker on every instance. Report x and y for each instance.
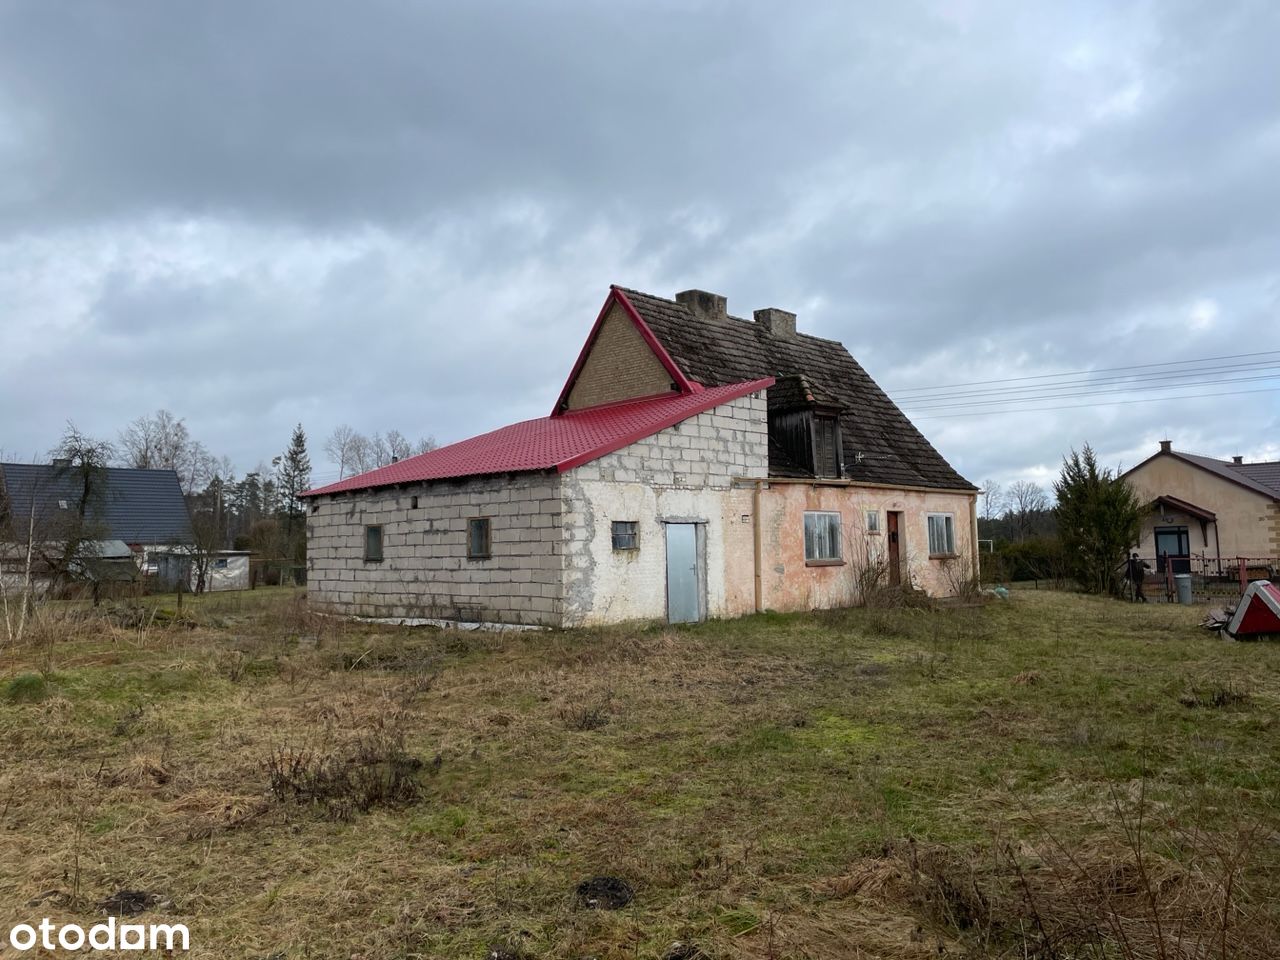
(816, 560)
(873, 522)
(948, 534)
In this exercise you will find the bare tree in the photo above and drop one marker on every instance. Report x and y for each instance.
(341, 448)
(163, 442)
(1024, 501)
(17, 543)
(992, 499)
(354, 452)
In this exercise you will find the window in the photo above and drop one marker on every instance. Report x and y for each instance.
(373, 543)
(626, 535)
(826, 440)
(478, 538)
(822, 538)
(413, 503)
(942, 535)
(220, 563)
(873, 521)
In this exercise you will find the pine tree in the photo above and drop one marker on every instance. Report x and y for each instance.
(293, 477)
(1099, 519)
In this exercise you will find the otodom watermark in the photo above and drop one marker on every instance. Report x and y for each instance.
(108, 935)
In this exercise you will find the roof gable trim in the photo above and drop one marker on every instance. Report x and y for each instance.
(683, 383)
(1242, 481)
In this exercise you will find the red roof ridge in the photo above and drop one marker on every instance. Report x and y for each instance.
(560, 442)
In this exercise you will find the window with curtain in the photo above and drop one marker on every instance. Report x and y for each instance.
(821, 537)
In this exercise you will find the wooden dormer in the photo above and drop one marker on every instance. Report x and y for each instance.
(806, 427)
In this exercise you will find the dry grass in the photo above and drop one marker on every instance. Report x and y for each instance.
(1022, 780)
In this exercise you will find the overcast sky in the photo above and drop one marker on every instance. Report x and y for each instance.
(406, 215)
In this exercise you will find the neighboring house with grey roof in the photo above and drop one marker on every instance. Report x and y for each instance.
(141, 509)
(1203, 507)
(695, 464)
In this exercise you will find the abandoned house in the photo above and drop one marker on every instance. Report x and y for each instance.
(695, 465)
(1207, 514)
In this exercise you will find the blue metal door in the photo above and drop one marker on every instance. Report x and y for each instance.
(683, 592)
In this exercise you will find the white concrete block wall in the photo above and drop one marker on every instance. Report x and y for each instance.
(425, 571)
(682, 473)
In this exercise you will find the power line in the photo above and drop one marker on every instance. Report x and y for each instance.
(1077, 373)
(1136, 379)
(1085, 406)
(960, 404)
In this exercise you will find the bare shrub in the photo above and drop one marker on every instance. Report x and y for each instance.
(1215, 696)
(961, 578)
(374, 771)
(585, 716)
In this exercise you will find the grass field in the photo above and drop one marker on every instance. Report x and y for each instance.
(1052, 776)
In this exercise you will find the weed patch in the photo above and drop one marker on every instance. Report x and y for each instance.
(27, 688)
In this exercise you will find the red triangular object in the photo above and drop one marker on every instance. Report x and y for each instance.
(1259, 611)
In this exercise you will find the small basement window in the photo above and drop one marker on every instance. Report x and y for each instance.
(626, 535)
(373, 542)
(822, 538)
(478, 538)
(873, 521)
(942, 535)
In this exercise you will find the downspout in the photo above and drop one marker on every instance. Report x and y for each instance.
(973, 537)
(757, 541)
(1217, 545)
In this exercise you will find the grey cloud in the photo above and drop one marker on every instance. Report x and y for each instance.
(407, 214)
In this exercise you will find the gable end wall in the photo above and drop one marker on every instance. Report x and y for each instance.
(620, 366)
(1248, 522)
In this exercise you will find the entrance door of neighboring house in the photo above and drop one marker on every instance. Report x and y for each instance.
(895, 550)
(684, 575)
(1173, 543)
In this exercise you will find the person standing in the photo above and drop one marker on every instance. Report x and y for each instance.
(1137, 573)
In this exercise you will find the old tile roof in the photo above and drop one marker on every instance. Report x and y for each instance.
(880, 444)
(137, 506)
(559, 442)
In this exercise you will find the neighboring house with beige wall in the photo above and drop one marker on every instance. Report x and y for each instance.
(695, 465)
(1202, 507)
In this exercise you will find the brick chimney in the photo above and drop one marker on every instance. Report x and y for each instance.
(1237, 459)
(703, 305)
(1166, 446)
(780, 323)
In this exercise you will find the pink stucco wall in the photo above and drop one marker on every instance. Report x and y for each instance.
(789, 584)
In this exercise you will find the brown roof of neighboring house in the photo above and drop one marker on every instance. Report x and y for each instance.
(1262, 478)
(1266, 473)
(880, 444)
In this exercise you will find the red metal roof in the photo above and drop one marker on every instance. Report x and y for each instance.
(549, 443)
